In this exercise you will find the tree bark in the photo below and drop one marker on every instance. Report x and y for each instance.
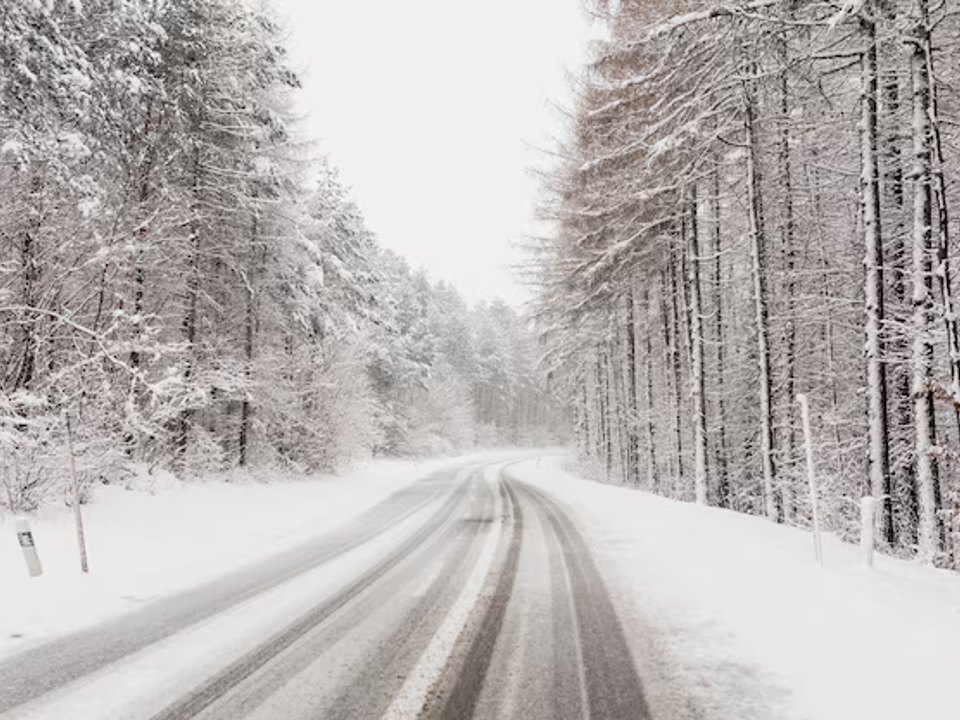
(697, 382)
(927, 481)
(653, 481)
(788, 244)
(677, 372)
(723, 480)
(759, 268)
(193, 305)
(879, 451)
(633, 413)
(951, 321)
(249, 331)
(902, 479)
(29, 289)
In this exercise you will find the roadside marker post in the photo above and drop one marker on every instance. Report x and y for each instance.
(29, 547)
(811, 476)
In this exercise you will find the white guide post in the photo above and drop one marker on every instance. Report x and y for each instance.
(868, 511)
(29, 547)
(811, 477)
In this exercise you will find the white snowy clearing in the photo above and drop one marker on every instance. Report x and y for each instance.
(163, 535)
(729, 616)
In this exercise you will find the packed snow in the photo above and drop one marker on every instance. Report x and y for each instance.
(414, 694)
(163, 535)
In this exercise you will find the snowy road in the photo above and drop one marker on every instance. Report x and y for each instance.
(466, 595)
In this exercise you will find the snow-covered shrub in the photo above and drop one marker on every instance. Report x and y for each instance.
(27, 467)
(35, 463)
(205, 454)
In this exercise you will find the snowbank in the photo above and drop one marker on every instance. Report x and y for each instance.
(143, 545)
(730, 617)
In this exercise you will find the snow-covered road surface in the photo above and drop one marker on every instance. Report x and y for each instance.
(466, 595)
(498, 588)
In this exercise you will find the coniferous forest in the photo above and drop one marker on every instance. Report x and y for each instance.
(756, 200)
(751, 201)
(182, 287)
(663, 422)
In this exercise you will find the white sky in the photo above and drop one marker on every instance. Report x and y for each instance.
(429, 108)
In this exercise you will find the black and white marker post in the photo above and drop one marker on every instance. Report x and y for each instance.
(29, 547)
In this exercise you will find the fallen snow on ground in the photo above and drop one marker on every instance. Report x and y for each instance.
(169, 536)
(730, 617)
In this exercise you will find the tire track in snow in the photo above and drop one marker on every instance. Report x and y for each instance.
(217, 686)
(432, 670)
(611, 683)
(463, 697)
(31, 674)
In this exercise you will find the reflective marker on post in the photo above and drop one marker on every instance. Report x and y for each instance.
(22, 528)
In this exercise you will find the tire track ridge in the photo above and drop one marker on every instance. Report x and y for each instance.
(63, 660)
(353, 701)
(462, 700)
(613, 687)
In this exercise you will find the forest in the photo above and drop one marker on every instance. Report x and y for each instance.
(185, 285)
(755, 200)
(750, 201)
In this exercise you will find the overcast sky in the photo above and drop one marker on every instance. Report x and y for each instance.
(430, 108)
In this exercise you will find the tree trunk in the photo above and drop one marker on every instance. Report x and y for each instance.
(826, 296)
(617, 395)
(879, 451)
(902, 480)
(677, 371)
(758, 262)
(723, 480)
(929, 536)
(788, 244)
(633, 410)
(652, 472)
(249, 331)
(951, 321)
(697, 382)
(193, 302)
(585, 412)
(672, 451)
(29, 289)
(610, 410)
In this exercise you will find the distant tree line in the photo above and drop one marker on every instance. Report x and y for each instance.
(755, 200)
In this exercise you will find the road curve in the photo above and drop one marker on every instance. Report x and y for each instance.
(472, 595)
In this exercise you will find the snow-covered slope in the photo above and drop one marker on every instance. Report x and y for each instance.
(731, 618)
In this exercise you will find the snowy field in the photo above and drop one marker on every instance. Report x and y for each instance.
(167, 536)
(731, 618)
